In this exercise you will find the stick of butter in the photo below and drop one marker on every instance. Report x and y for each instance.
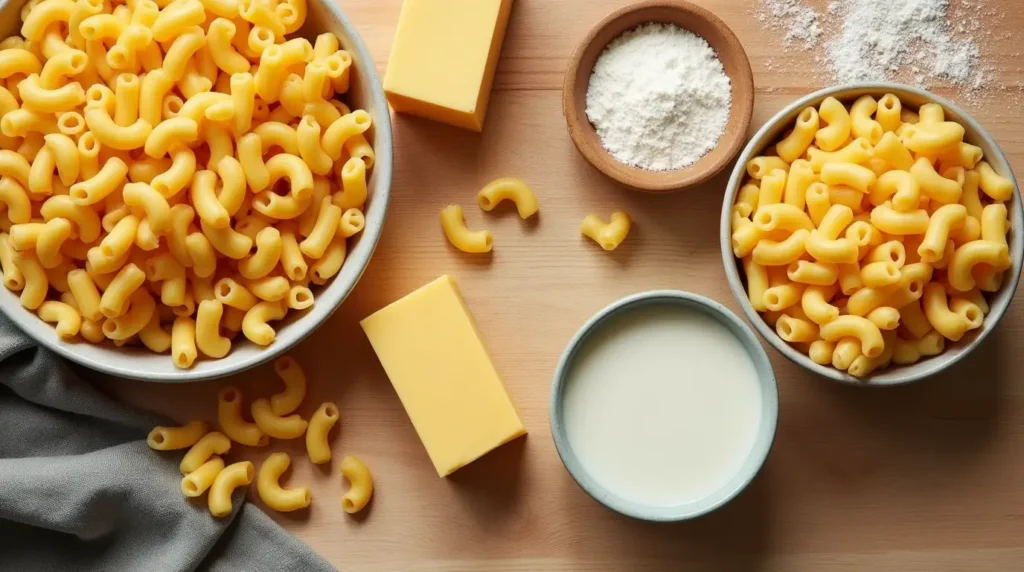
(431, 350)
(442, 62)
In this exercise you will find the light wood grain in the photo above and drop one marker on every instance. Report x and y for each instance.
(926, 477)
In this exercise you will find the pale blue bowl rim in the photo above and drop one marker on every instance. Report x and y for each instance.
(999, 302)
(758, 453)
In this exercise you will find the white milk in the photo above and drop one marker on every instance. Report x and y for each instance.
(663, 405)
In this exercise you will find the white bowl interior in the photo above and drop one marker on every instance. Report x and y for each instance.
(366, 93)
(912, 97)
(765, 432)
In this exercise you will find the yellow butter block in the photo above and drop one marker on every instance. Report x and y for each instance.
(443, 59)
(431, 351)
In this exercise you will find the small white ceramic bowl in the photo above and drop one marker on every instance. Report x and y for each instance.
(765, 432)
(913, 97)
(366, 93)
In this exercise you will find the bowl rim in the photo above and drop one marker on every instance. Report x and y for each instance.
(766, 432)
(330, 296)
(926, 367)
(657, 181)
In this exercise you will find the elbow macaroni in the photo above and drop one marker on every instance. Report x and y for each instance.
(227, 480)
(198, 481)
(360, 484)
(607, 234)
(317, 446)
(229, 415)
(269, 488)
(276, 426)
(511, 189)
(103, 110)
(871, 201)
(171, 438)
(294, 380)
(454, 227)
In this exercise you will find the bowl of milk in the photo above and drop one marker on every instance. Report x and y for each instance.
(664, 406)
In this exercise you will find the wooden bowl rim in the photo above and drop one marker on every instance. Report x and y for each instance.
(662, 181)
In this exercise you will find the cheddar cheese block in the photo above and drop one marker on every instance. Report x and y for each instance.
(443, 59)
(431, 350)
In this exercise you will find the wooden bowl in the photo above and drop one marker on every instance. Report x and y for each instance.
(689, 17)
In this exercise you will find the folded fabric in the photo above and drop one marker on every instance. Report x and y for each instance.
(80, 489)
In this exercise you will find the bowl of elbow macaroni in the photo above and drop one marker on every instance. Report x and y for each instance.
(187, 188)
(872, 233)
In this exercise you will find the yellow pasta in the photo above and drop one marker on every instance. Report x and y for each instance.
(893, 209)
(208, 445)
(104, 111)
(318, 432)
(171, 438)
(269, 488)
(838, 127)
(773, 188)
(198, 481)
(360, 484)
(294, 380)
(277, 426)
(228, 479)
(229, 415)
(861, 122)
(796, 143)
(511, 189)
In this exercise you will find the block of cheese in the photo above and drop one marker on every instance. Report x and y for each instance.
(431, 350)
(443, 59)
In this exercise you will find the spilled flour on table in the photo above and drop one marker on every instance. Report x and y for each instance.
(801, 23)
(928, 43)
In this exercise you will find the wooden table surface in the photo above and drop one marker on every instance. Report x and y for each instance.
(928, 477)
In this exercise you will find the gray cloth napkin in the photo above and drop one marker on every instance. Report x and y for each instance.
(80, 489)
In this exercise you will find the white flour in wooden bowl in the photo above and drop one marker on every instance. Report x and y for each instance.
(659, 97)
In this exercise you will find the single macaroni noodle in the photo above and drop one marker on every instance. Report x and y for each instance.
(317, 446)
(269, 488)
(360, 481)
(229, 479)
(294, 380)
(229, 416)
(276, 426)
(454, 227)
(171, 438)
(198, 481)
(214, 443)
(511, 189)
(609, 235)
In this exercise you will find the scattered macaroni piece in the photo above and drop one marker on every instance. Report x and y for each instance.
(512, 189)
(360, 484)
(227, 480)
(195, 483)
(146, 148)
(213, 443)
(269, 487)
(294, 380)
(171, 438)
(229, 415)
(877, 250)
(608, 234)
(278, 427)
(454, 227)
(320, 424)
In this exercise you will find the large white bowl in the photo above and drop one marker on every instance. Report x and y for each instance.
(366, 93)
(999, 302)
